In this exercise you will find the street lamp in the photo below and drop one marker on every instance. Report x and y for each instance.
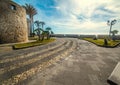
(110, 23)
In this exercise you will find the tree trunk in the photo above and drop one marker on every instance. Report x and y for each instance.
(47, 36)
(110, 31)
(42, 26)
(39, 37)
(39, 34)
(31, 25)
(42, 34)
(42, 38)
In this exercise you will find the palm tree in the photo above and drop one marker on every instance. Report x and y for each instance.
(42, 24)
(110, 23)
(31, 11)
(52, 32)
(44, 33)
(37, 23)
(48, 29)
(113, 34)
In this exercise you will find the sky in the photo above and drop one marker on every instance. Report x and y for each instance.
(77, 16)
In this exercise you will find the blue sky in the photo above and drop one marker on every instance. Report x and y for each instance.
(77, 16)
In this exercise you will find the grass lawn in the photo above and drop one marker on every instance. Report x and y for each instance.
(100, 42)
(31, 44)
(33, 38)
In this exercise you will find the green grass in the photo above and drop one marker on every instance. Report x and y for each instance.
(31, 44)
(100, 42)
(33, 38)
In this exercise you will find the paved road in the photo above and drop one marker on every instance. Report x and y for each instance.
(87, 65)
(18, 66)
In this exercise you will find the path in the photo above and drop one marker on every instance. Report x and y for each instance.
(87, 65)
(63, 62)
(18, 66)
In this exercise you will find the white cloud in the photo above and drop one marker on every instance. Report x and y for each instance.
(77, 15)
(77, 7)
(71, 9)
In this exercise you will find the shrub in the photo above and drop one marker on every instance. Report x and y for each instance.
(105, 42)
(95, 38)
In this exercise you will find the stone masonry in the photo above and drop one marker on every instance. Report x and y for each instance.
(13, 23)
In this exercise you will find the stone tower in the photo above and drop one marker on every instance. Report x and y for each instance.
(13, 23)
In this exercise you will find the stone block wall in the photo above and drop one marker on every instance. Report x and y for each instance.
(13, 23)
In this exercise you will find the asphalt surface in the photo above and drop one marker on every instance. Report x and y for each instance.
(87, 65)
(19, 66)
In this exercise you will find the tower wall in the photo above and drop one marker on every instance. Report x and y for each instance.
(13, 23)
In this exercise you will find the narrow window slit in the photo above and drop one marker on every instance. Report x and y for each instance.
(13, 7)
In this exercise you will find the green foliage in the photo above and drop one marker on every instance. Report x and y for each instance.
(95, 38)
(110, 23)
(48, 28)
(31, 44)
(42, 23)
(33, 38)
(41, 32)
(30, 11)
(114, 32)
(38, 30)
(102, 42)
(52, 32)
(105, 42)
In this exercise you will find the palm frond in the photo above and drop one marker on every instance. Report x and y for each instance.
(30, 10)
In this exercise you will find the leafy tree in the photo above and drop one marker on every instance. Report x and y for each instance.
(38, 30)
(110, 23)
(30, 11)
(52, 32)
(113, 34)
(48, 29)
(42, 24)
(44, 33)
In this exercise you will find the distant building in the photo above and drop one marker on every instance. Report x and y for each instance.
(13, 23)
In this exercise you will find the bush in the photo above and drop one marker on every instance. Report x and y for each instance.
(32, 44)
(95, 38)
(105, 42)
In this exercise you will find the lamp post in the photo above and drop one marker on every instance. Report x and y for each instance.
(110, 23)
